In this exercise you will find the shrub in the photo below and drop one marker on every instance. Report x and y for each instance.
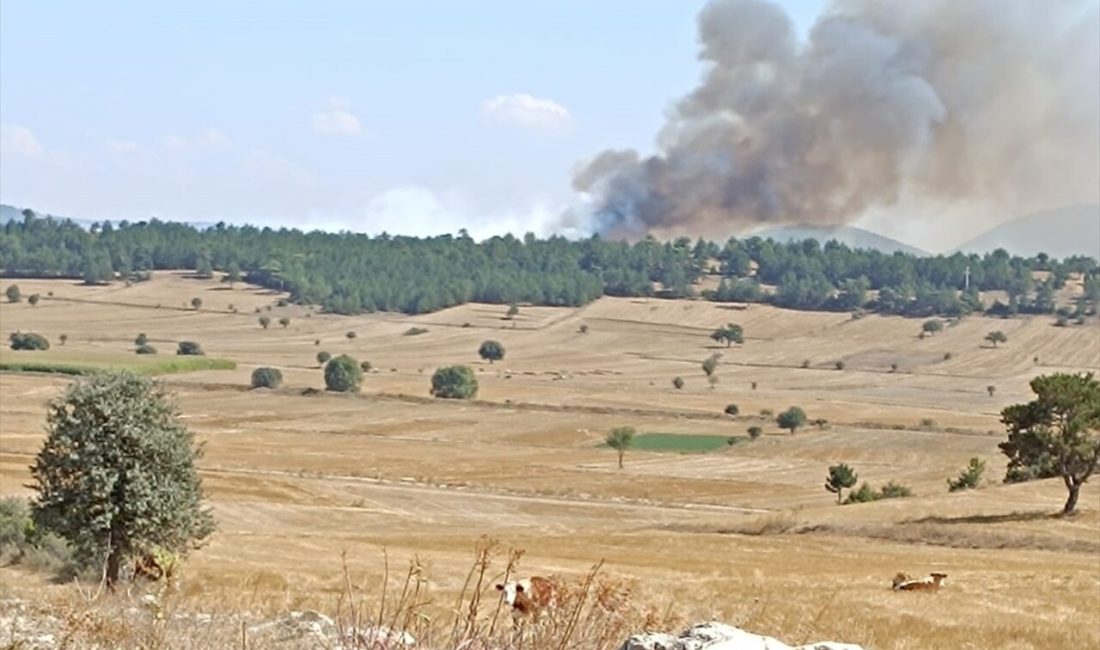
(839, 365)
(415, 331)
(894, 490)
(755, 432)
(491, 351)
(678, 382)
(927, 423)
(767, 413)
(731, 409)
(323, 357)
(141, 339)
(267, 378)
(145, 349)
(189, 348)
(28, 341)
(864, 494)
(365, 366)
(284, 321)
(33, 299)
(583, 329)
(454, 382)
(947, 356)
(932, 326)
(343, 374)
(13, 293)
(196, 302)
(64, 338)
(351, 335)
(805, 363)
(23, 543)
(265, 321)
(969, 478)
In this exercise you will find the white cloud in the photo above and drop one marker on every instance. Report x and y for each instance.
(336, 121)
(527, 111)
(121, 146)
(19, 139)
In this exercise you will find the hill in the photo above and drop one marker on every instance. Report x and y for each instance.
(1060, 232)
(849, 235)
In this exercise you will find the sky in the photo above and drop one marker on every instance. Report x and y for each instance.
(415, 117)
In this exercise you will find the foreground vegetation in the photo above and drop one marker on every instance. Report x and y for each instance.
(143, 365)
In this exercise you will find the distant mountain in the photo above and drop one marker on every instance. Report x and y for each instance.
(850, 235)
(1060, 232)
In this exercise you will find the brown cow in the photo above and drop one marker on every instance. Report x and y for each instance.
(530, 597)
(903, 582)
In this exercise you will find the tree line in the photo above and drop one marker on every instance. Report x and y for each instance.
(352, 273)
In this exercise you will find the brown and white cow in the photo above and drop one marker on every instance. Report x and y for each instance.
(529, 598)
(903, 582)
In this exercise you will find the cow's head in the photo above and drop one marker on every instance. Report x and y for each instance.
(512, 590)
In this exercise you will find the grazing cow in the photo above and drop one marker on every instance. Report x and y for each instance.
(903, 582)
(530, 597)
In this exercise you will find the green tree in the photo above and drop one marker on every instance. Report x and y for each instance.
(28, 341)
(730, 333)
(969, 478)
(13, 293)
(196, 303)
(491, 351)
(513, 311)
(267, 377)
(265, 321)
(284, 321)
(710, 365)
(189, 348)
(840, 478)
(454, 382)
(33, 299)
(1058, 432)
(323, 357)
(620, 439)
(232, 274)
(141, 339)
(996, 337)
(116, 476)
(203, 267)
(343, 374)
(932, 326)
(792, 418)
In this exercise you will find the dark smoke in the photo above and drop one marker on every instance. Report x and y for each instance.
(993, 102)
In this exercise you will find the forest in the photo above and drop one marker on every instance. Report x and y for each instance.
(352, 273)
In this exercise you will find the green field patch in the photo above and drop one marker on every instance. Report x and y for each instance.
(85, 365)
(683, 443)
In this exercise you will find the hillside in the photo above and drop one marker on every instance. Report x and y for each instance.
(1060, 233)
(850, 235)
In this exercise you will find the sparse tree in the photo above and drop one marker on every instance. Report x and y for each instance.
(969, 478)
(454, 382)
(840, 478)
(116, 476)
(678, 383)
(13, 293)
(620, 439)
(932, 326)
(491, 351)
(820, 423)
(791, 419)
(730, 333)
(365, 366)
(996, 337)
(583, 329)
(284, 321)
(232, 274)
(265, 321)
(33, 299)
(196, 302)
(1058, 433)
(323, 357)
(753, 384)
(894, 367)
(991, 389)
(267, 377)
(343, 374)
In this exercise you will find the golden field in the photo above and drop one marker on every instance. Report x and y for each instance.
(745, 534)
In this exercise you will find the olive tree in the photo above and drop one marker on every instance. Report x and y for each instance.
(116, 476)
(343, 374)
(792, 418)
(491, 351)
(265, 377)
(1057, 433)
(454, 382)
(13, 293)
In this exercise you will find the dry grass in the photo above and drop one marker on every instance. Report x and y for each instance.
(745, 534)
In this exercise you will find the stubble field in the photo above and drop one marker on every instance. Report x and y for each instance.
(744, 534)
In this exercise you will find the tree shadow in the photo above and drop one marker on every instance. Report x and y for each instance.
(987, 519)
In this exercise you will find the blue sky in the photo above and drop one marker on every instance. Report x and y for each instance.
(403, 116)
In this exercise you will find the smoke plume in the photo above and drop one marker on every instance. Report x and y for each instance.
(993, 102)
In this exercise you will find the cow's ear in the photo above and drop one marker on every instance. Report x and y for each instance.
(500, 587)
(519, 589)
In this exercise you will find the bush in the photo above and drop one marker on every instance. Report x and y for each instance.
(767, 413)
(947, 356)
(415, 331)
(343, 374)
(13, 293)
(731, 409)
(28, 341)
(351, 335)
(267, 378)
(145, 349)
(323, 357)
(265, 321)
(189, 348)
(33, 299)
(23, 543)
(284, 321)
(196, 303)
(866, 493)
(755, 432)
(141, 339)
(583, 329)
(678, 383)
(454, 382)
(932, 326)
(491, 351)
(894, 490)
(839, 365)
(365, 366)
(969, 478)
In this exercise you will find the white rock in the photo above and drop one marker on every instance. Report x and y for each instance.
(719, 636)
